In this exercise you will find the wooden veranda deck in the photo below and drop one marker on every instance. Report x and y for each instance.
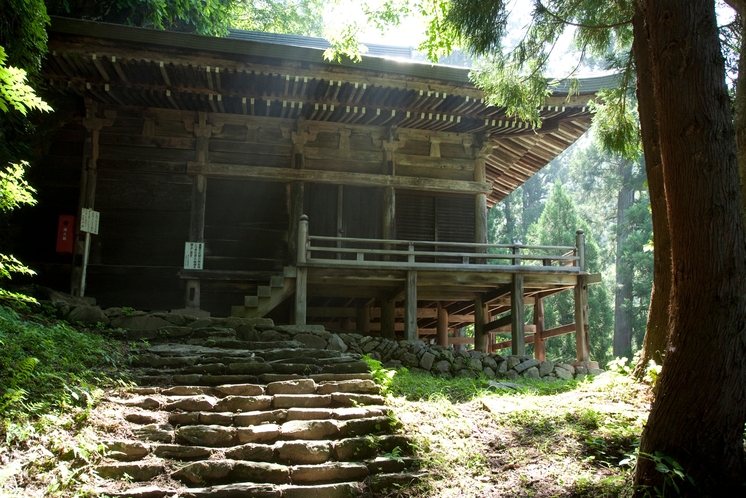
(443, 286)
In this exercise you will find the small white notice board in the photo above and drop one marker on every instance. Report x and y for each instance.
(89, 220)
(194, 253)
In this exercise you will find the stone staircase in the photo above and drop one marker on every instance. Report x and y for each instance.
(267, 297)
(216, 416)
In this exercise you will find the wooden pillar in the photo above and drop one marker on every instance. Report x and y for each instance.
(582, 326)
(540, 352)
(410, 306)
(442, 326)
(517, 332)
(480, 205)
(296, 211)
(196, 234)
(481, 317)
(388, 221)
(388, 308)
(301, 294)
(87, 194)
(362, 318)
(202, 132)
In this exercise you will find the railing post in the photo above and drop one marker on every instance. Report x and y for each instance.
(303, 239)
(410, 257)
(516, 249)
(580, 248)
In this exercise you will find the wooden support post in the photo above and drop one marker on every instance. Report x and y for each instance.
(442, 326)
(582, 326)
(517, 332)
(202, 132)
(388, 217)
(87, 195)
(296, 211)
(362, 317)
(481, 317)
(196, 234)
(301, 295)
(540, 352)
(302, 255)
(410, 306)
(387, 318)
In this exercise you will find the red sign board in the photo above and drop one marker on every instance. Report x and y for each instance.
(65, 234)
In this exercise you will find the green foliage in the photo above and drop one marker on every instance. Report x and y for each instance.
(671, 470)
(23, 33)
(14, 92)
(14, 189)
(46, 366)
(556, 226)
(300, 17)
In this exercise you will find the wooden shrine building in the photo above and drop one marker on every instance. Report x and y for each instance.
(254, 178)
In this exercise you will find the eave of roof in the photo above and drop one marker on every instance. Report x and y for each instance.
(238, 46)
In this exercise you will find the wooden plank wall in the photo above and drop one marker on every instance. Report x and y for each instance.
(144, 196)
(33, 229)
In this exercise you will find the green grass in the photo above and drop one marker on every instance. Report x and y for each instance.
(47, 365)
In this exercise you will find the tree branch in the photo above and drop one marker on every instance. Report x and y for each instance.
(599, 26)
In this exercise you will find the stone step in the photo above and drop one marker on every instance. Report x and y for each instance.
(277, 416)
(382, 482)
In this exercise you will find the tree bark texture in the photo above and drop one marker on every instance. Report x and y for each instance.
(622, 325)
(699, 412)
(656, 335)
(739, 115)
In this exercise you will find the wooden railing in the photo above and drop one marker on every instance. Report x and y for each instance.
(370, 253)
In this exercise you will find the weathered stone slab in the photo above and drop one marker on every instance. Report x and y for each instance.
(240, 490)
(353, 399)
(357, 448)
(179, 452)
(303, 452)
(261, 472)
(142, 417)
(329, 472)
(265, 433)
(309, 429)
(359, 412)
(216, 418)
(126, 451)
(296, 386)
(192, 404)
(210, 471)
(139, 492)
(243, 403)
(311, 341)
(240, 390)
(137, 471)
(336, 490)
(301, 401)
(252, 452)
(361, 427)
(523, 366)
(359, 386)
(186, 391)
(258, 417)
(206, 435)
(183, 418)
(309, 413)
(144, 402)
(163, 433)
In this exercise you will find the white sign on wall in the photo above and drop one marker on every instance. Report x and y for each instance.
(89, 221)
(194, 253)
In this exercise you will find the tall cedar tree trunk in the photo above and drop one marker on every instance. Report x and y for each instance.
(739, 115)
(656, 334)
(699, 412)
(622, 325)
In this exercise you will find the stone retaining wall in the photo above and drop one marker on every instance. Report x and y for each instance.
(415, 355)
